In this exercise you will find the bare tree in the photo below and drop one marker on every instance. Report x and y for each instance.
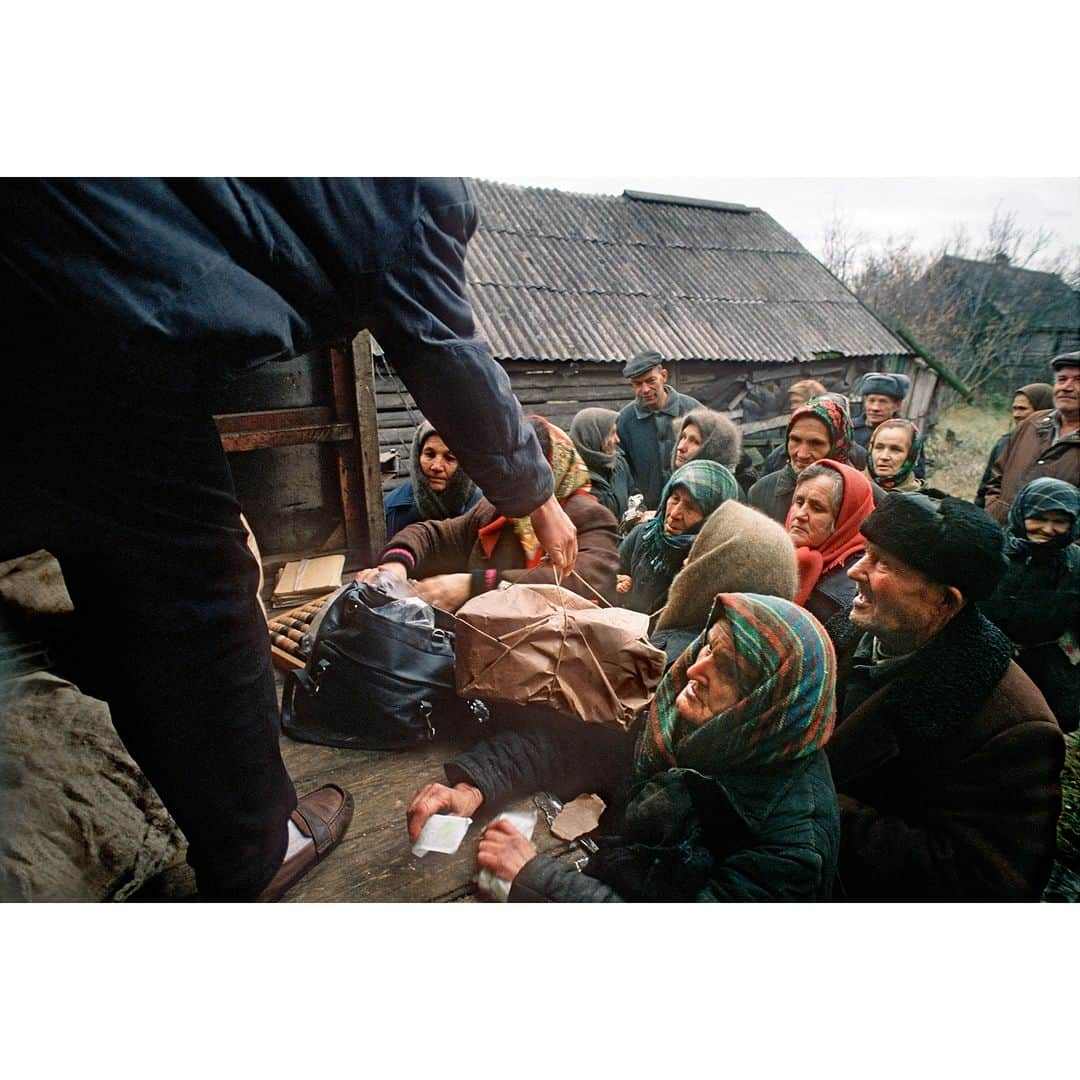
(974, 315)
(841, 246)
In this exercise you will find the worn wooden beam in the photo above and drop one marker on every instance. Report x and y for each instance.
(273, 419)
(359, 474)
(235, 442)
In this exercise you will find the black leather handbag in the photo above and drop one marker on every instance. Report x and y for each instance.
(380, 674)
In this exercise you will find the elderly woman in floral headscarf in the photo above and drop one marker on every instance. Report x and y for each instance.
(460, 557)
(439, 487)
(651, 554)
(1037, 602)
(895, 447)
(720, 790)
(819, 429)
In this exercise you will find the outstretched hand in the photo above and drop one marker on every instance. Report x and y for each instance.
(557, 534)
(371, 573)
(446, 591)
(462, 800)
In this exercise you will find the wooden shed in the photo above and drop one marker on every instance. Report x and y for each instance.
(566, 287)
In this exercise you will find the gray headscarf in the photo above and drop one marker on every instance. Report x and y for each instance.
(437, 505)
(721, 440)
(1040, 394)
(589, 430)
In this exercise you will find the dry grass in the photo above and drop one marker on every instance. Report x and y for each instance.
(960, 446)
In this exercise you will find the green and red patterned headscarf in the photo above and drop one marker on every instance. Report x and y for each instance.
(785, 662)
(901, 474)
(837, 421)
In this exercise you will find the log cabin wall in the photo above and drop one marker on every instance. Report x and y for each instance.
(750, 393)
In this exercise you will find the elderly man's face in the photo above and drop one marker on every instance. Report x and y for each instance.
(900, 605)
(1067, 390)
(650, 389)
(879, 407)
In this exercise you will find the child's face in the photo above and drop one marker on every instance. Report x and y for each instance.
(1047, 526)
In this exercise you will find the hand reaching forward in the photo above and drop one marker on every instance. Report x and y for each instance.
(462, 800)
(395, 568)
(446, 591)
(557, 534)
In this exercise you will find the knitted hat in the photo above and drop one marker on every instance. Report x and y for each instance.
(949, 540)
(1070, 359)
(644, 361)
(885, 382)
(739, 549)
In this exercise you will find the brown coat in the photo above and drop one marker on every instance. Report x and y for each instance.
(948, 776)
(1029, 455)
(452, 546)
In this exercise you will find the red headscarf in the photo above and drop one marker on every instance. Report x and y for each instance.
(845, 540)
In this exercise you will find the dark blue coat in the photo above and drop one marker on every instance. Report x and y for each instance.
(208, 278)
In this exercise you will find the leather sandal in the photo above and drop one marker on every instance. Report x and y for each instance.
(324, 815)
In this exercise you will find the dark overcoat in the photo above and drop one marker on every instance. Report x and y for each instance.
(948, 775)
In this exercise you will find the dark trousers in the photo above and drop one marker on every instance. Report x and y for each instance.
(130, 489)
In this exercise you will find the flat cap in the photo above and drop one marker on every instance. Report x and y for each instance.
(885, 382)
(644, 361)
(1066, 359)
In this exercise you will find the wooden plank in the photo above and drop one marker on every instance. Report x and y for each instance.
(273, 419)
(374, 539)
(237, 442)
(374, 862)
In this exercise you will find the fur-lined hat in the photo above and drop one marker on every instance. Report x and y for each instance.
(949, 540)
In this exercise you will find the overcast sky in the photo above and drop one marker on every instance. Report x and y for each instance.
(927, 210)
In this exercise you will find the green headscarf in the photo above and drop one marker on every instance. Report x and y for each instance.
(709, 485)
(901, 474)
(1040, 495)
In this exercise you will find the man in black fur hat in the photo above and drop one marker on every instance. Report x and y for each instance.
(946, 758)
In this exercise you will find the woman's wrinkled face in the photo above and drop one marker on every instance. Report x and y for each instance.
(812, 518)
(611, 441)
(681, 513)
(1021, 407)
(1047, 526)
(808, 441)
(713, 684)
(438, 463)
(688, 445)
(892, 445)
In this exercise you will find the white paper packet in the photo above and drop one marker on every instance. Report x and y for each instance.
(442, 833)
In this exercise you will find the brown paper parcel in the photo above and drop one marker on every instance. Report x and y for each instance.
(544, 645)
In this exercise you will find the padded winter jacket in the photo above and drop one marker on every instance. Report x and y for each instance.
(767, 834)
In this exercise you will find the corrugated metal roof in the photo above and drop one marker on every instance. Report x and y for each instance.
(555, 275)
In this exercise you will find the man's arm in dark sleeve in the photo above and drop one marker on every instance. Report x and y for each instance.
(424, 321)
